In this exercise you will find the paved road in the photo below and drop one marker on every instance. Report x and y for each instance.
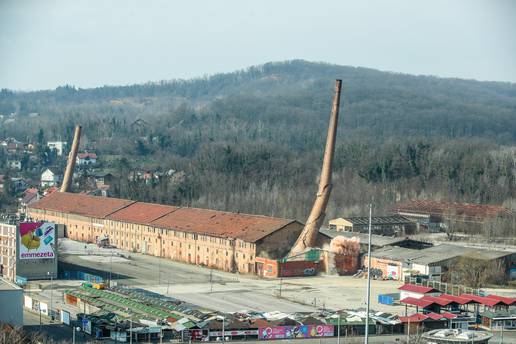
(56, 331)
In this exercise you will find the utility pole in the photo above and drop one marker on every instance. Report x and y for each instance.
(110, 268)
(51, 296)
(211, 280)
(368, 276)
(338, 328)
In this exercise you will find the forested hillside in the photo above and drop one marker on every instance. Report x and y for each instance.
(252, 141)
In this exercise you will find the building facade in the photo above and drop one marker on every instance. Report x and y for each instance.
(382, 225)
(8, 251)
(216, 239)
(11, 301)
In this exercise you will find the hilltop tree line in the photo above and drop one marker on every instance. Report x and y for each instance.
(252, 141)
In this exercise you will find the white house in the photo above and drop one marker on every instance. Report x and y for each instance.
(14, 164)
(49, 178)
(58, 146)
(86, 159)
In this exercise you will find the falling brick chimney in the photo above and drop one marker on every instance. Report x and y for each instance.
(308, 236)
(72, 156)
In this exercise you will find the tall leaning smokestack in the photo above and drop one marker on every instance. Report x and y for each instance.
(67, 179)
(308, 236)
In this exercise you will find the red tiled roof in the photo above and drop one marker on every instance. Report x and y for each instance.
(437, 300)
(417, 302)
(509, 301)
(483, 300)
(448, 315)
(85, 205)
(142, 213)
(87, 155)
(456, 299)
(250, 228)
(414, 318)
(417, 289)
(461, 209)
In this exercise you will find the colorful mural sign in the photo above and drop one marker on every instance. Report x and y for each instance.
(301, 331)
(37, 240)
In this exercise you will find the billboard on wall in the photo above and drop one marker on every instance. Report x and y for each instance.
(37, 240)
(301, 331)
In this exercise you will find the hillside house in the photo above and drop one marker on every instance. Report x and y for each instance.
(85, 159)
(57, 146)
(49, 178)
(14, 164)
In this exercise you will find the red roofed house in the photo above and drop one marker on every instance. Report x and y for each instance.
(417, 291)
(86, 159)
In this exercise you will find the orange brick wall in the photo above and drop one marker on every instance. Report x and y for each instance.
(220, 253)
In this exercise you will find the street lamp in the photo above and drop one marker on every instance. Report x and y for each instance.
(78, 329)
(223, 329)
(51, 294)
(130, 325)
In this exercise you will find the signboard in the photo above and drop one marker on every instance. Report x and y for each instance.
(65, 317)
(290, 332)
(27, 301)
(234, 333)
(43, 308)
(87, 326)
(21, 280)
(37, 240)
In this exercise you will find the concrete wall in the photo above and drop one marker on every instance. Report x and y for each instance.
(387, 267)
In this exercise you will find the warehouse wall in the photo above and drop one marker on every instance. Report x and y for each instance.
(278, 244)
(220, 253)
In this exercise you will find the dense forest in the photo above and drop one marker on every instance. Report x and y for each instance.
(252, 140)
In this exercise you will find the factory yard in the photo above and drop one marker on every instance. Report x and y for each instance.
(226, 292)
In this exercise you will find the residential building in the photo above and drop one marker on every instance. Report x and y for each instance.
(58, 146)
(84, 159)
(30, 197)
(14, 164)
(8, 251)
(49, 178)
(222, 240)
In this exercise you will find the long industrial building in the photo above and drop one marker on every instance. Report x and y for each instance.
(222, 240)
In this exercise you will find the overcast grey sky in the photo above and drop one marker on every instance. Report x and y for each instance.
(90, 43)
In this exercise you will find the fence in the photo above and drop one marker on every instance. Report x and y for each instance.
(447, 288)
(81, 275)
